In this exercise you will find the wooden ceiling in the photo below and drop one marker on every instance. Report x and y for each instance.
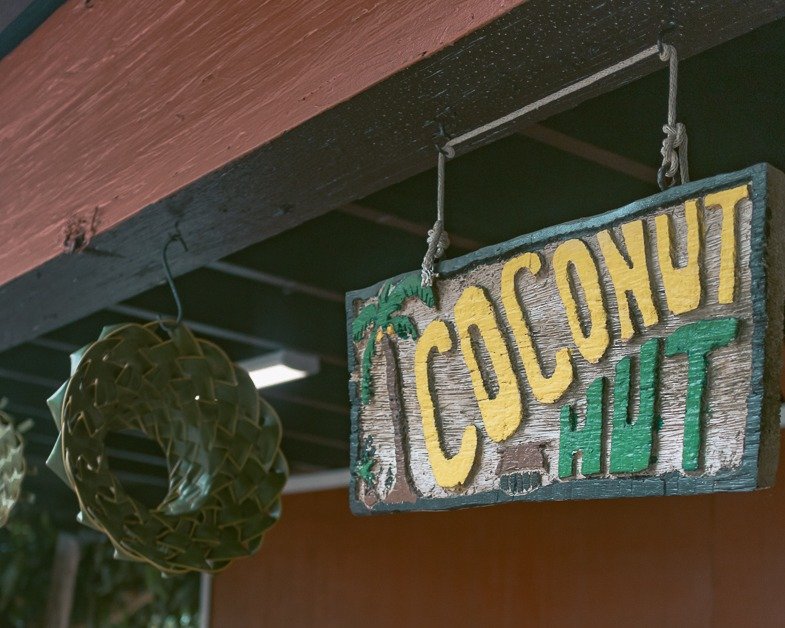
(287, 291)
(19, 18)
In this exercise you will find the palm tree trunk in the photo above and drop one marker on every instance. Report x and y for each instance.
(401, 490)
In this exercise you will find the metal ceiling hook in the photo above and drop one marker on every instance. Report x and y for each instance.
(170, 280)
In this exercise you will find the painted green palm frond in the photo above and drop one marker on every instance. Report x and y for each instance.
(410, 286)
(367, 317)
(381, 316)
(366, 374)
(366, 461)
(384, 293)
(403, 327)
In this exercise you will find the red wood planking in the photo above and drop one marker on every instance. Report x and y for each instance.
(108, 107)
(712, 560)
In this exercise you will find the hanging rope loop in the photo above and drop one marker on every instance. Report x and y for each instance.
(438, 240)
(674, 155)
(674, 145)
(170, 280)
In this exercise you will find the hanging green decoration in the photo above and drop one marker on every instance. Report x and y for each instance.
(12, 466)
(221, 442)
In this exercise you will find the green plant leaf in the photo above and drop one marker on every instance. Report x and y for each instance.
(367, 317)
(410, 286)
(403, 327)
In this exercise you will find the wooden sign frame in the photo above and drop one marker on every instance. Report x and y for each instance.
(759, 456)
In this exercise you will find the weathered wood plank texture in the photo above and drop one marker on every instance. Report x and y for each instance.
(110, 107)
(703, 260)
(121, 123)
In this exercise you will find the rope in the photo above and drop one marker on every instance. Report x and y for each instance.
(674, 145)
(531, 108)
(438, 240)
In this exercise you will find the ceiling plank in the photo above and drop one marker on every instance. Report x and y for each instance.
(271, 279)
(315, 439)
(316, 404)
(590, 152)
(54, 345)
(395, 222)
(192, 86)
(30, 378)
(277, 178)
(225, 334)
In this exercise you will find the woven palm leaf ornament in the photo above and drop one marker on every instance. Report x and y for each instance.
(220, 439)
(12, 465)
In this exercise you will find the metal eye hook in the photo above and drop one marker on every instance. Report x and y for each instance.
(170, 280)
(444, 147)
(668, 27)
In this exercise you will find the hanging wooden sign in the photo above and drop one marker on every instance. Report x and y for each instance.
(632, 353)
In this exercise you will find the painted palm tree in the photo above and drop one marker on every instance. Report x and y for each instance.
(385, 322)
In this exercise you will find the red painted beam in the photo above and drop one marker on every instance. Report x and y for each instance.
(231, 125)
(111, 106)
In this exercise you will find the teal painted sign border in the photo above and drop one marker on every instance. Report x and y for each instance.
(766, 346)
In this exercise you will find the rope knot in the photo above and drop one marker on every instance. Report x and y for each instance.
(438, 235)
(438, 242)
(675, 138)
(674, 154)
(674, 145)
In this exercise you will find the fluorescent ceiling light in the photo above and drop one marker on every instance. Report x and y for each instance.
(279, 367)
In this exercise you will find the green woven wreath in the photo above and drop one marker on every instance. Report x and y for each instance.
(221, 442)
(12, 466)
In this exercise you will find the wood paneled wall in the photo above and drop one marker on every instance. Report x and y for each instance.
(681, 561)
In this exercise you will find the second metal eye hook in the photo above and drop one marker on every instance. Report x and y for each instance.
(668, 27)
(170, 280)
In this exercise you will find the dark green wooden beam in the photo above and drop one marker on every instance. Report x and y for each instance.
(377, 138)
(19, 18)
